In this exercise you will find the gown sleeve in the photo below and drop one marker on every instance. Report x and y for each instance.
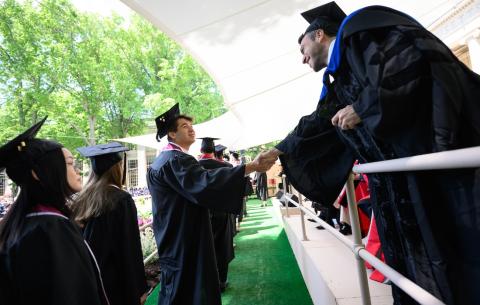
(210, 188)
(130, 251)
(315, 160)
(417, 83)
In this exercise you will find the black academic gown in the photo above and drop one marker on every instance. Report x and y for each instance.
(261, 186)
(233, 217)
(222, 227)
(50, 264)
(182, 194)
(115, 240)
(414, 97)
(249, 187)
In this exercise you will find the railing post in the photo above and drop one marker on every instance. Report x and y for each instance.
(302, 217)
(285, 193)
(357, 240)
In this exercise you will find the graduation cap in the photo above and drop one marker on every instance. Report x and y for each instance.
(219, 148)
(207, 144)
(19, 155)
(327, 15)
(165, 120)
(235, 154)
(103, 156)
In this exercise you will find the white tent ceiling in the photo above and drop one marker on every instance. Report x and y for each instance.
(250, 49)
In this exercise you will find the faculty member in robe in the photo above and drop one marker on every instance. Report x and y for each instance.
(392, 89)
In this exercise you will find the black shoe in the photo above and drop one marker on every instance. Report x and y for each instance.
(345, 229)
(320, 228)
(311, 219)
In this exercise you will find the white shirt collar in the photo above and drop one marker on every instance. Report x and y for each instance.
(330, 50)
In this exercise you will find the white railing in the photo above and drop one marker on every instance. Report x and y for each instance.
(461, 158)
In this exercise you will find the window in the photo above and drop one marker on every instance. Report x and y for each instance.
(132, 173)
(151, 155)
(3, 182)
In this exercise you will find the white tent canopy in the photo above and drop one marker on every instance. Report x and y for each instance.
(250, 49)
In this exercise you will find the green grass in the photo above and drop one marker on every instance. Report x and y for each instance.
(264, 271)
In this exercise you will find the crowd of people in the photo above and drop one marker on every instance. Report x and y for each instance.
(84, 252)
(391, 89)
(5, 203)
(138, 191)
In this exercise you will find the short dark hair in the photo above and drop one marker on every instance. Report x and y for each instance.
(218, 154)
(329, 29)
(207, 150)
(173, 126)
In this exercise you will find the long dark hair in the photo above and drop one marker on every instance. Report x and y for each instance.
(52, 189)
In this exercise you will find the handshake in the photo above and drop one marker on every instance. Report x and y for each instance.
(262, 162)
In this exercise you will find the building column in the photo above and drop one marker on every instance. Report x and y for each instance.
(142, 166)
(474, 53)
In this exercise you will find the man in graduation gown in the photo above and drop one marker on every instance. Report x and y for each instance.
(222, 226)
(220, 156)
(392, 89)
(183, 192)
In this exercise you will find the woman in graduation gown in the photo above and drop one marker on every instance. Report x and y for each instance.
(109, 219)
(43, 256)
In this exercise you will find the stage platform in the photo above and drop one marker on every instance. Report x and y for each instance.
(328, 267)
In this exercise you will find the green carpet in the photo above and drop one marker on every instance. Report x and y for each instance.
(264, 271)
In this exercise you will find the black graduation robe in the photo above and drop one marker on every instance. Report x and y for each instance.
(222, 227)
(182, 194)
(115, 240)
(261, 186)
(50, 264)
(248, 186)
(414, 97)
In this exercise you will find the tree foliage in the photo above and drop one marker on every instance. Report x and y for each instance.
(97, 78)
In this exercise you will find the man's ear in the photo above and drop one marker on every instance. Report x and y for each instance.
(35, 175)
(319, 35)
(172, 135)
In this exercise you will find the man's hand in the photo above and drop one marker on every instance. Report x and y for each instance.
(262, 163)
(272, 153)
(346, 118)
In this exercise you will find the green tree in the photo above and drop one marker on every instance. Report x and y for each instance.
(97, 78)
